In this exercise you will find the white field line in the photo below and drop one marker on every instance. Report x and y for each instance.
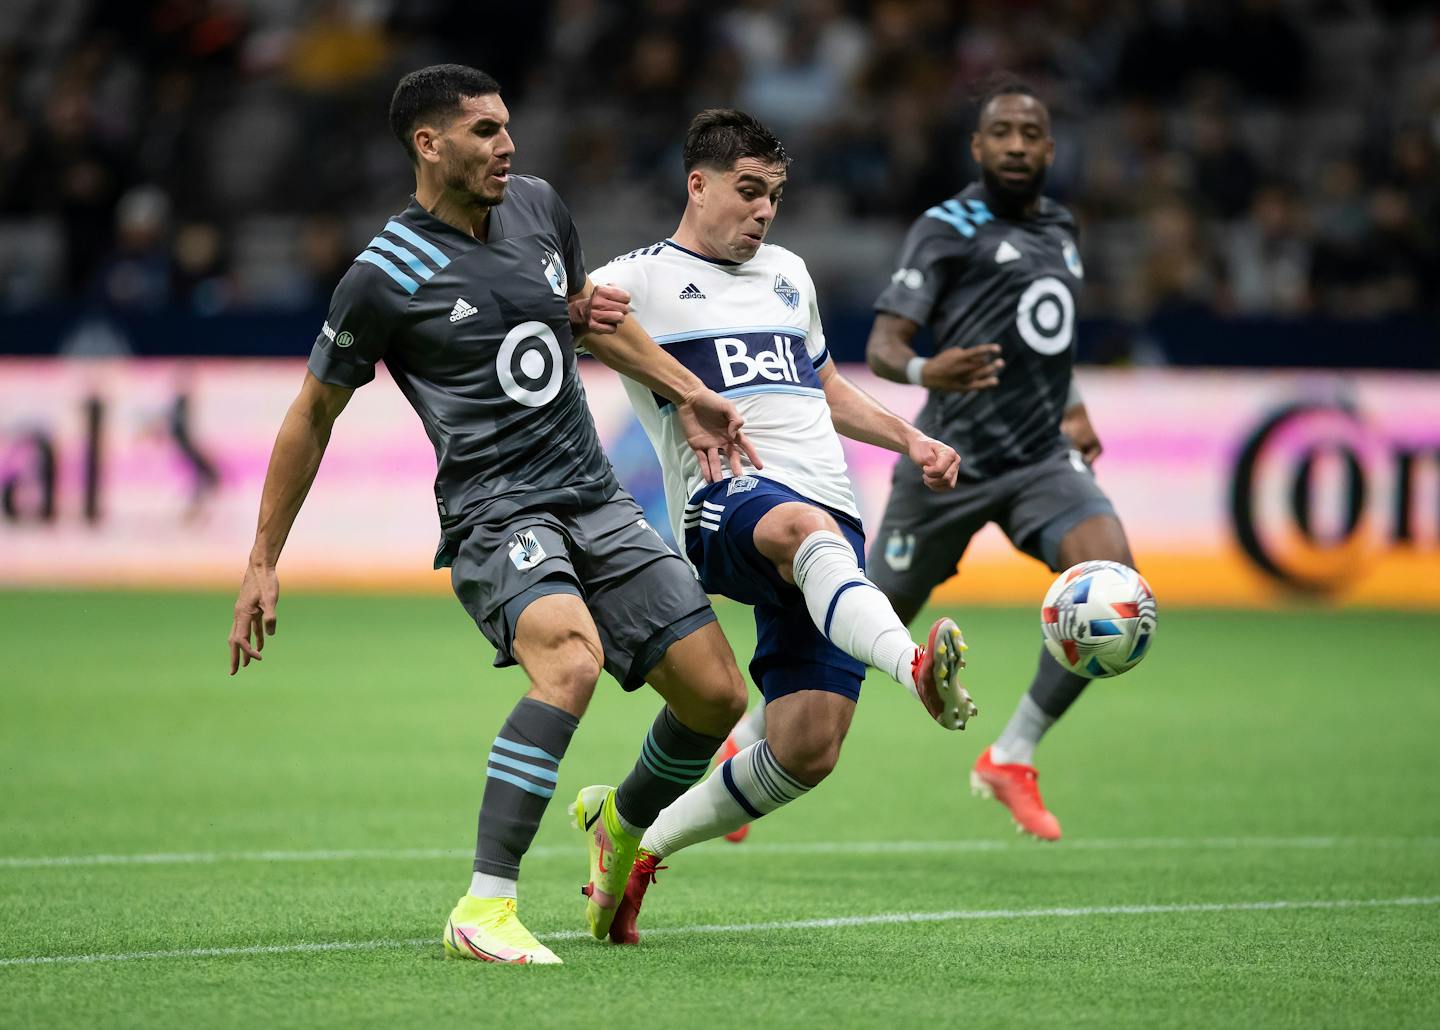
(877, 847)
(836, 922)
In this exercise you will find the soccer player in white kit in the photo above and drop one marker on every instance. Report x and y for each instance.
(786, 538)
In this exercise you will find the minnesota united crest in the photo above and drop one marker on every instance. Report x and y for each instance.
(555, 272)
(526, 552)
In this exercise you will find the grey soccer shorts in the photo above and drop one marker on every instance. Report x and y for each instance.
(642, 595)
(924, 533)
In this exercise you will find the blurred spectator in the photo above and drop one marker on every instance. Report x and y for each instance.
(248, 123)
(1268, 256)
(136, 277)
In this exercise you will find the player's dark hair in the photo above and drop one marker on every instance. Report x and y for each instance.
(1002, 84)
(434, 93)
(720, 136)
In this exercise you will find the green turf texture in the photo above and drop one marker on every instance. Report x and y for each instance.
(1305, 738)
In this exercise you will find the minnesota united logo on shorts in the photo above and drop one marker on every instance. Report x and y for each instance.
(526, 552)
(900, 551)
(740, 484)
(786, 291)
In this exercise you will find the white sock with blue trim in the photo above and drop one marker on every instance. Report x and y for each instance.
(740, 790)
(849, 609)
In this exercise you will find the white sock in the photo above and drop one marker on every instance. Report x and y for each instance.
(851, 610)
(1017, 740)
(750, 728)
(746, 787)
(483, 885)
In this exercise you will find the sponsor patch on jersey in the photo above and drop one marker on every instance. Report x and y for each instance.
(691, 292)
(555, 272)
(1006, 253)
(740, 485)
(344, 340)
(1072, 259)
(526, 552)
(910, 278)
(786, 291)
(329, 333)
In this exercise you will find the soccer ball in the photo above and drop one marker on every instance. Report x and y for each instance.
(1098, 618)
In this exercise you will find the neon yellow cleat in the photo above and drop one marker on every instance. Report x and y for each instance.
(612, 855)
(488, 930)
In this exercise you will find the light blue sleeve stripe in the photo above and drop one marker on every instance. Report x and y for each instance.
(416, 265)
(539, 791)
(821, 358)
(522, 749)
(388, 267)
(419, 242)
(533, 770)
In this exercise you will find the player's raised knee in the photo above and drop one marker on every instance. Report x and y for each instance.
(811, 760)
(786, 526)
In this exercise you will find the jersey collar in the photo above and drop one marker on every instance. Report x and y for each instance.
(495, 228)
(702, 257)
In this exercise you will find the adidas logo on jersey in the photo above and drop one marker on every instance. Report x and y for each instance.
(691, 292)
(462, 309)
(1006, 253)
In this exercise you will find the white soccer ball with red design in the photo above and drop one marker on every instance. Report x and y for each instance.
(1098, 618)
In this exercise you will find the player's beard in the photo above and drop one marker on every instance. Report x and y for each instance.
(1014, 197)
(476, 182)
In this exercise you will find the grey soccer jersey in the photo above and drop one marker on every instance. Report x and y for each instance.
(974, 277)
(478, 338)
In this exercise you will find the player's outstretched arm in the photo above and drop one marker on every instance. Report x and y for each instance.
(294, 460)
(891, 355)
(712, 425)
(861, 417)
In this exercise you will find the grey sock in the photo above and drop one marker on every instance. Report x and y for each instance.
(519, 780)
(1053, 690)
(672, 760)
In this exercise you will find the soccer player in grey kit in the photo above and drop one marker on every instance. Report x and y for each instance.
(467, 295)
(993, 272)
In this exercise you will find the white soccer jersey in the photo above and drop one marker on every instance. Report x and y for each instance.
(749, 331)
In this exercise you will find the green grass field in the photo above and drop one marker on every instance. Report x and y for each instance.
(1252, 825)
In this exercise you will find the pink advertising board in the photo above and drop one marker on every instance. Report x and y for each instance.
(1236, 488)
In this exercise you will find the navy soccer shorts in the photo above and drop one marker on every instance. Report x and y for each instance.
(791, 654)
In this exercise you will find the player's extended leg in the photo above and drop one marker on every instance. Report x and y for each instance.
(557, 644)
(1006, 769)
(806, 545)
(704, 695)
(747, 731)
(804, 732)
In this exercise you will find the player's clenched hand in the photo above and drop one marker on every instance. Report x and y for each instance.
(254, 615)
(939, 464)
(711, 425)
(959, 369)
(599, 313)
(1075, 424)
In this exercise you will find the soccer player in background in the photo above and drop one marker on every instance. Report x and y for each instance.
(742, 315)
(466, 296)
(993, 272)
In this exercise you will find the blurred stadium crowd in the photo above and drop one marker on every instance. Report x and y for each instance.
(1230, 157)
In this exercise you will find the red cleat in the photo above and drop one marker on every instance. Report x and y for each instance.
(729, 750)
(623, 930)
(1014, 786)
(936, 672)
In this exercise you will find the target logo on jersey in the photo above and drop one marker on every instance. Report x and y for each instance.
(1099, 618)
